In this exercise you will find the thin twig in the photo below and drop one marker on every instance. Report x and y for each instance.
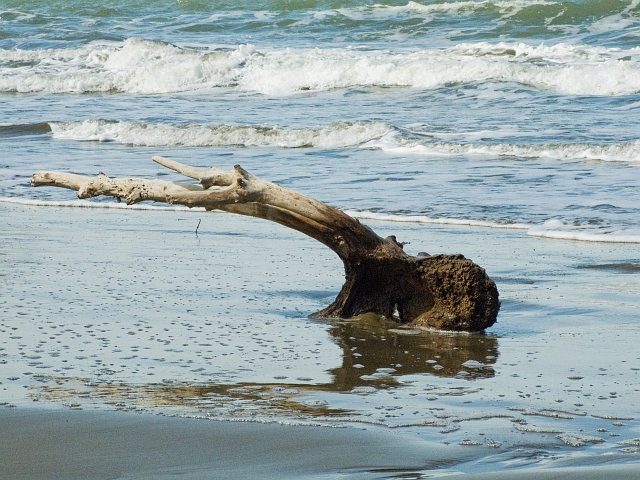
(199, 220)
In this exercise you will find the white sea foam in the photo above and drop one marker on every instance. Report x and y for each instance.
(136, 66)
(560, 230)
(566, 69)
(99, 205)
(148, 67)
(337, 135)
(394, 142)
(342, 134)
(623, 20)
(506, 8)
(438, 221)
(555, 229)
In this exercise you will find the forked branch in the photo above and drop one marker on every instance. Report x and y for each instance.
(446, 292)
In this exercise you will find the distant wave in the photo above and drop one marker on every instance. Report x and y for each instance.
(563, 231)
(9, 131)
(368, 135)
(501, 8)
(509, 7)
(536, 12)
(149, 67)
(401, 144)
(251, 16)
(553, 229)
(337, 135)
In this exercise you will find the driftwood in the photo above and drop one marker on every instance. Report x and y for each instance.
(445, 292)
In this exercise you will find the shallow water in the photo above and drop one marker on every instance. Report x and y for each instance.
(215, 326)
(505, 130)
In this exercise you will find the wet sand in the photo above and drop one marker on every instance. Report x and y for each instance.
(112, 321)
(63, 445)
(52, 445)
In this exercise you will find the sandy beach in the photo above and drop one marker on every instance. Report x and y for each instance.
(64, 445)
(132, 348)
(45, 444)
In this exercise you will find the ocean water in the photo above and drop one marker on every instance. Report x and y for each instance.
(508, 130)
(519, 114)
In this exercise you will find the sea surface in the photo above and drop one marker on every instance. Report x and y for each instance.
(517, 114)
(499, 128)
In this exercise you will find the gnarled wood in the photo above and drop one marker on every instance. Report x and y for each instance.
(446, 292)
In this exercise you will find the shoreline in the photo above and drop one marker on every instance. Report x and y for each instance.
(551, 229)
(38, 444)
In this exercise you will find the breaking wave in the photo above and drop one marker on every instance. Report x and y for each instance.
(149, 67)
(554, 229)
(400, 144)
(560, 230)
(337, 135)
(505, 7)
(342, 134)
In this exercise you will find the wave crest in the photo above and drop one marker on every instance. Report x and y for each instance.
(137, 66)
(396, 143)
(342, 134)
(149, 67)
(554, 229)
(337, 135)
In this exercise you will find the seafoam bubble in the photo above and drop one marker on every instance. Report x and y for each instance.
(363, 390)
(578, 440)
(633, 442)
(315, 403)
(548, 413)
(473, 364)
(534, 429)
(612, 417)
(472, 443)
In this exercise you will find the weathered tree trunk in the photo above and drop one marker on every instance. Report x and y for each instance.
(446, 292)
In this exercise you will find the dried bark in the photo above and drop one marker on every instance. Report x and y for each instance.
(445, 292)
